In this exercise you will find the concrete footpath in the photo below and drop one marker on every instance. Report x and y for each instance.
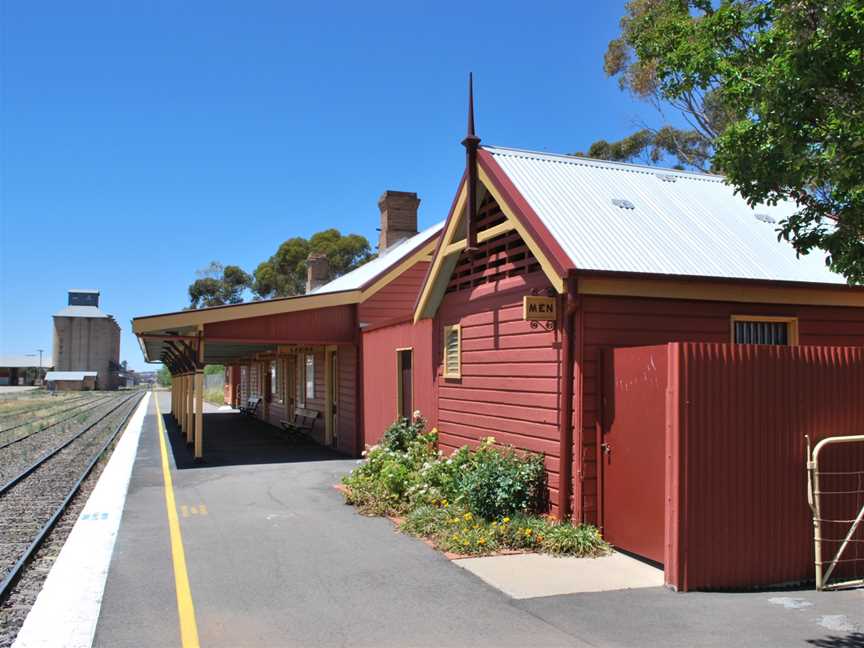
(275, 558)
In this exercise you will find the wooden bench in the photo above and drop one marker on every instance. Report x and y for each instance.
(303, 421)
(250, 407)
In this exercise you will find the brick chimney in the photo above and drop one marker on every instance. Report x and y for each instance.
(398, 217)
(317, 271)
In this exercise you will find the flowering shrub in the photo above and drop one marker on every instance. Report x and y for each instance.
(403, 432)
(501, 482)
(472, 502)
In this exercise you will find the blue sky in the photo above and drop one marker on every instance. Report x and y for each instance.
(142, 140)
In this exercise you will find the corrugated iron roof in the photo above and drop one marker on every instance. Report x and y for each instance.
(26, 360)
(359, 277)
(610, 216)
(69, 375)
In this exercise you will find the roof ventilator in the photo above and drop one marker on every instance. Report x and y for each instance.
(666, 177)
(765, 218)
(623, 204)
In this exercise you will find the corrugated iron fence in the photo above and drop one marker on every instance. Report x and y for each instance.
(735, 481)
(737, 416)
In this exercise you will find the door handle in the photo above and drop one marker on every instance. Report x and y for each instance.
(606, 448)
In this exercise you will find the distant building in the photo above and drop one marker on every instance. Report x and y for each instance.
(71, 380)
(86, 339)
(22, 369)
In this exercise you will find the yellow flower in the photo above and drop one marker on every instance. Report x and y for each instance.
(481, 541)
(465, 542)
(528, 532)
(506, 520)
(468, 516)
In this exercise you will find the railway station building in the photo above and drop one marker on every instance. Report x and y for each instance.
(643, 328)
(298, 353)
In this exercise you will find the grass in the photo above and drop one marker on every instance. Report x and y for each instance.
(215, 396)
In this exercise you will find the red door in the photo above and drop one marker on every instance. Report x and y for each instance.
(633, 449)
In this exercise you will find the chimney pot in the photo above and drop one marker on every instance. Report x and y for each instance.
(317, 271)
(398, 217)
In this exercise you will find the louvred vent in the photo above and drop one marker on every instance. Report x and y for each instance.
(498, 258)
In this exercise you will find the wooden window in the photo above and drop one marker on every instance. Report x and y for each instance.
(310, 376)
(276, 381)
(453, 351)
(757, 329)
(300, 382)
(404, 383)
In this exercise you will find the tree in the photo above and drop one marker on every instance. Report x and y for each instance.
(163, 376)
(284, 273)
(774, 93)
(218, 285)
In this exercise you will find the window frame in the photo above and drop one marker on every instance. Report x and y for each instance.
(448, 329)
(308, 380)
(400, 396)
(790, 321)
(300, 380)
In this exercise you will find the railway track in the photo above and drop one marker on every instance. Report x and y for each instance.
(76, 408)
(34, 499)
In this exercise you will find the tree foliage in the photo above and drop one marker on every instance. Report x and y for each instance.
(774, 93)
(284, 273)
(163, 376)
(218, 285)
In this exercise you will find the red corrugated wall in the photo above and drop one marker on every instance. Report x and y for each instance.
(608, 322)
(736, 419)
(379, 375)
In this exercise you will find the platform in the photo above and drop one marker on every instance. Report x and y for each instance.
(272, 557)
(275, 558)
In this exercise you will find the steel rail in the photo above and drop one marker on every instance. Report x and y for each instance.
(13, 575)
(45, 457)
(50, 425)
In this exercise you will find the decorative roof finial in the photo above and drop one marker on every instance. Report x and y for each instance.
(471, 143)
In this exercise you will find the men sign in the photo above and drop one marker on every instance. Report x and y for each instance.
(536, 308)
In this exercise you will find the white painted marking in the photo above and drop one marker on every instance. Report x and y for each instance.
(837, 623)
(790, 603)
(67, 608)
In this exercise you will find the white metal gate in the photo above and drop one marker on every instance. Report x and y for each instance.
(822, 484)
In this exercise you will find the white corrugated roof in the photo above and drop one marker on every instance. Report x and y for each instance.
(359, 277)
(694, 225)
(26, 360)
(69, 375)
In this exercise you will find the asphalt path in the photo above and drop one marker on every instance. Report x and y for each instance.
(275, 558)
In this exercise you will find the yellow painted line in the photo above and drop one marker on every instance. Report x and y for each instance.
(185, 607)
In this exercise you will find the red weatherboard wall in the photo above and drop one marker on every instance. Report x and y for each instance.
(379, 375)
(736, 481)
(396, 299)
(317, 326)
(510, 373)
(628, 321)
(346, 401)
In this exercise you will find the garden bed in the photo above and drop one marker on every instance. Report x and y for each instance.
(476, 502)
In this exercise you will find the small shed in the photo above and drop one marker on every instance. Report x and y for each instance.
(71, 380)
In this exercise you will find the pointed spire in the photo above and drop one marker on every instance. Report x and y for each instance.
(471, 143)
(471, 137)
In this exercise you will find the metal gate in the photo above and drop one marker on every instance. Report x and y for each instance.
(634, 449)
(828, 529)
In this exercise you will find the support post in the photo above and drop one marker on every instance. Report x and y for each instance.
(199, 414)
(177, 405)
(189, 413)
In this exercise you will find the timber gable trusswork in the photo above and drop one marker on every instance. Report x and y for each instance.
(497, 258)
